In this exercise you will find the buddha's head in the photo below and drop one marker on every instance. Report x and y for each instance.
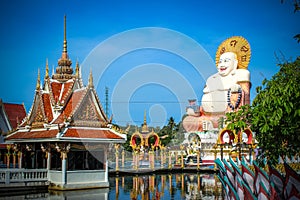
(227, 63)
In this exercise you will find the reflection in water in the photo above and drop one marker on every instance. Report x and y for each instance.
(170, 186)
(142, 187)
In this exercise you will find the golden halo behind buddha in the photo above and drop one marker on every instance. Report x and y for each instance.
(239, 46)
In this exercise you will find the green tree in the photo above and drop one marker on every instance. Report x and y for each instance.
(239, 120)
(275, 113)
(167, 133)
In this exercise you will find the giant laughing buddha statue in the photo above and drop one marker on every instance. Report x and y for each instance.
(224, 91)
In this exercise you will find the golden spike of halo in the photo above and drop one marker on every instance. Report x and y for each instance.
(238, 45)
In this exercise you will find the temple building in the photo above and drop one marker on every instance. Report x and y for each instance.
(66, 130)
(10, 116)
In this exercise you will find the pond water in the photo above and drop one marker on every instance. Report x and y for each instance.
(144, 187)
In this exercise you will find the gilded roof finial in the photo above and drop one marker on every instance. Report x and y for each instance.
(65, 34)
(91, 84)
(38, 82)
(145, 117)
(47, 69)
(77, 69)
(144, 126)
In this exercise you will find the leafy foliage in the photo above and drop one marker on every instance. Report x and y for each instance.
(239, 120)
(275, 113)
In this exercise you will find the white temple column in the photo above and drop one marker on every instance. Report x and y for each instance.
(106, 165)
(48, 160)
(20, 154)
(64, 168)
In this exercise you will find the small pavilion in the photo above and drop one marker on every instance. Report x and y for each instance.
(66, 130)
(145, 139)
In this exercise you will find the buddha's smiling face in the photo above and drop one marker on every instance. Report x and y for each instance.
(227, 63)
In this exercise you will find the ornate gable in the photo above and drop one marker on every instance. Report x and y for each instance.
(71, 105)
(89, 112)
(37, 115)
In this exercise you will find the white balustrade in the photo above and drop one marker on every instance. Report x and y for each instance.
(8, 176)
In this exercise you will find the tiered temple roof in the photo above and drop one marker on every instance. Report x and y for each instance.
(64, 109)
(10, 116)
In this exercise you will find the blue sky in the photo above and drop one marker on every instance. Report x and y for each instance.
(157, 53)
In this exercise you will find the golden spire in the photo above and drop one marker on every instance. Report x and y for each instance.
(91, 84)
(145, 117)
(64, 70)
(47, 69)
(145, 127)
(65, 34)
(38, 82)
(77, 69)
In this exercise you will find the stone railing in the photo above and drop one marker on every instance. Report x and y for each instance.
(8, 176)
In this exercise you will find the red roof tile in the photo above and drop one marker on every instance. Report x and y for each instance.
(74, 100)
(15, 113)
(56, 88)
(67, 89)
(33, 134)
(47, 106)
(91, 133)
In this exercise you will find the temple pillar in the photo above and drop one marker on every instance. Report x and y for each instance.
(170, 160)
(117, 160)
(8, 156)
(7, 160)
(64, 167)
(150, 159)
(48, 155)
(123, 158)
(105, 165)
(198, 159)
(182, 162)
(20, 154)
(133, 160)
(161, 159)
(14, 160)
(137, 160)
